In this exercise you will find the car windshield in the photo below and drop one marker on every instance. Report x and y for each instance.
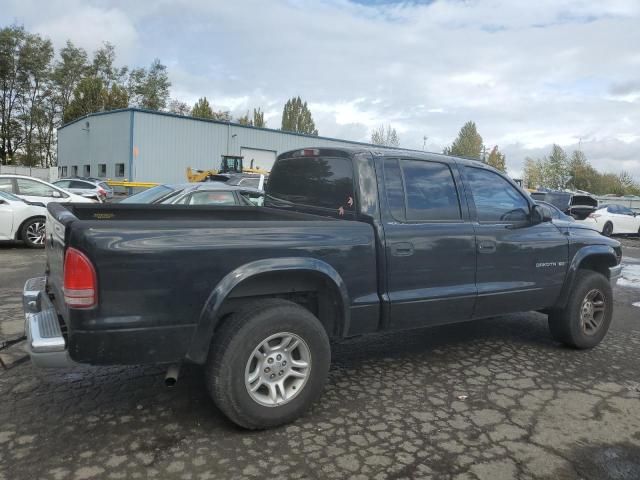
(10, 196)
(149, 196)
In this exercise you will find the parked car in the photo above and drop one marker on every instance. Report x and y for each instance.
(614, 220)
(205, 193)
(87, 187)
(574, 204)
(251, 180)
(351, 241)
(554, 212)
(36, 190)
(21, 220)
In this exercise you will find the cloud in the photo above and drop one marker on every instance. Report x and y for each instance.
(529, 74)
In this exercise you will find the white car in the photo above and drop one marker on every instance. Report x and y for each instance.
(36, 190)
(20, 220)
(614, 219)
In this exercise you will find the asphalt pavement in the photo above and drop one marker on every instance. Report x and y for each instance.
(493, 399)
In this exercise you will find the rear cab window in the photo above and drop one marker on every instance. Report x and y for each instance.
(321, 185)
(421, 191)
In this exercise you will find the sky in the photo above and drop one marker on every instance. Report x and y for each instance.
(529, 73)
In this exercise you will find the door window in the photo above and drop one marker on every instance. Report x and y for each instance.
(6, 185)
(495, 198)
(33, 188)
(79, 184)
(429, 192)
(63, 183)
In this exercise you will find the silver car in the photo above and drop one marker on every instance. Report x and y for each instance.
(86, 188)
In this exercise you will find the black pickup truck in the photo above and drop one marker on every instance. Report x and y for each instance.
(351, 241)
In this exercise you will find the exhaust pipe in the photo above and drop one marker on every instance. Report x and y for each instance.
(171, 378)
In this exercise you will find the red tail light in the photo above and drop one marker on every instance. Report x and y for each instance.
(80, 284)
(310, 152)
(102, 191)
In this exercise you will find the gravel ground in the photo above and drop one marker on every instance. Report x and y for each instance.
(495, 399)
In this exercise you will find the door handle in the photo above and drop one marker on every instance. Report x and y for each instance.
(486, 246)
(402, 249)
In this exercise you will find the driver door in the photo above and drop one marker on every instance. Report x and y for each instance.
(520, 266)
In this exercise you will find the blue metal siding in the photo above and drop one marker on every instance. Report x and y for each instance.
(106, 140)
(158, 147)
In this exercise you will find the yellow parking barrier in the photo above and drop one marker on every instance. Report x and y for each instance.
(128, 184)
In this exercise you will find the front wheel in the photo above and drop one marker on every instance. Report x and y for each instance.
(586, 318)
(33, 233)
(268, 363)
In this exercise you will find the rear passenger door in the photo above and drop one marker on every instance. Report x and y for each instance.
(430, 245)
(521, 265)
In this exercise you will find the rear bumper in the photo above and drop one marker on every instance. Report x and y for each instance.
(45, 343)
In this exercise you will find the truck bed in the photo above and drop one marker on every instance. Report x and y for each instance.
(158, 265)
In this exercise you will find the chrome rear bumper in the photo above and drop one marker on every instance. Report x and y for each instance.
(45, 343)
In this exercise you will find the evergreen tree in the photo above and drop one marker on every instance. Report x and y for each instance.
(467, 144)
(202, 109)
(296, 117)
(497, 159)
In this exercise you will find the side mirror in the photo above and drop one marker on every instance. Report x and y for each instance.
(538, 215)
(56, 194)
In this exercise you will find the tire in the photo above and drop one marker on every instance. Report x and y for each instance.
(237, 352)
(608, 229)
(567, 325)
(32, 232)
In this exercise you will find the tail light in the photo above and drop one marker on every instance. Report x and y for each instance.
(80, 281)
(310, 152)
(594, 215)
(102, 191)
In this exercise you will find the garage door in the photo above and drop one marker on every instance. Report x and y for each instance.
(261, 158)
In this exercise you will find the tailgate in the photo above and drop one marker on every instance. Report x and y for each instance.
(58, 221)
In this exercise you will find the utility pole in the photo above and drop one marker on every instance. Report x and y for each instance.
(424, 142)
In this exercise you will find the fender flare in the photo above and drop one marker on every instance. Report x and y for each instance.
(581, 255)
(203, 334)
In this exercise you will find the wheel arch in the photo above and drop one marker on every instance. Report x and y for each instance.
(280, 277)
(18, 233)
(598, 258)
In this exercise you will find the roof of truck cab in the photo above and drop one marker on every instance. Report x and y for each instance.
(391, 152)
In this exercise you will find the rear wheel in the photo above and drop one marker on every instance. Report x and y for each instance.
(608, 229)
(585, 320)
(268, 363)
(32, 232)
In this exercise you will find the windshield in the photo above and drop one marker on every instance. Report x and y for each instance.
(10, 196)
(149, 196)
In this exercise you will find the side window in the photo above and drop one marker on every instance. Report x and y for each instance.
(78, 184)
(626, 211)
(119, 169)
(612, 209)
(87, 170)
(63, 183)
(495, 198)
(74, 170)
(36, 189)
(102, 170)
(64, 171)
(394, 188)
(431, 191)
(6, 185)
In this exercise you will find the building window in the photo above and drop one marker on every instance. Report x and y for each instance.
(74, 170)
(87, 170)
(119, 169)
(102, 170)
(64, 172)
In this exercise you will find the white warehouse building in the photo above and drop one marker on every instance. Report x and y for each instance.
(148, 146)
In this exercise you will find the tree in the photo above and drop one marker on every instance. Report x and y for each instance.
(92, 96)
(258, 118)
(497, 159)
(103, 67)
(256, 121)
(557, 168)
(467, 144)
(296, 117)
(11, 42)
(149, 88)
(202, 109)
(67, 73)
(179, 108)
(388, 137)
